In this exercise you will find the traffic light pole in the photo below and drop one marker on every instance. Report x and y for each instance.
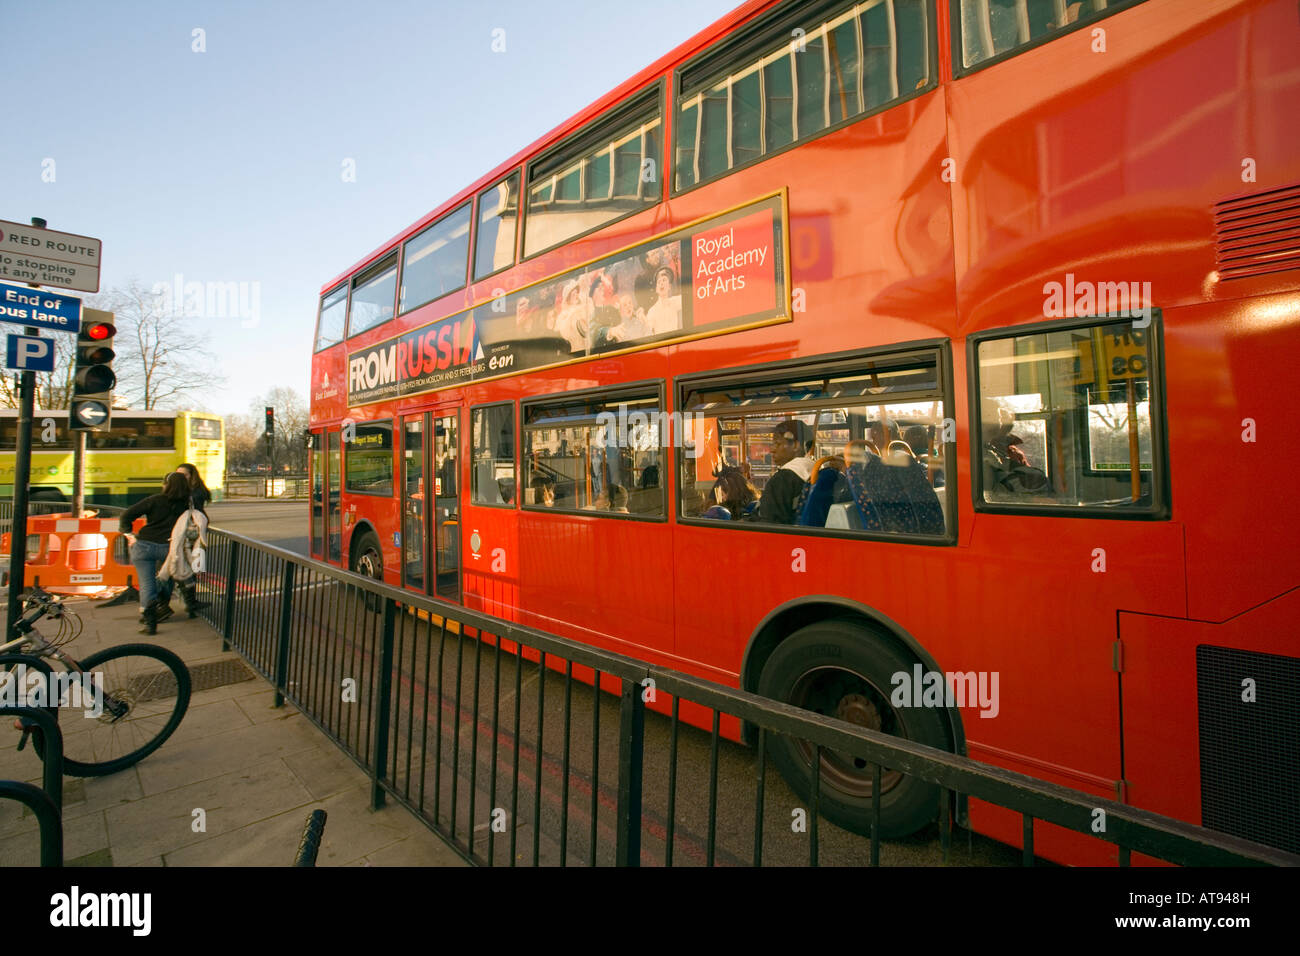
(78, 474)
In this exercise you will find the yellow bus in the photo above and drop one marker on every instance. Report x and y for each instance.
(123, 464)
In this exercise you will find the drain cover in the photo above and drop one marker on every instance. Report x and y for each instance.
(160, 685)
(219, 674)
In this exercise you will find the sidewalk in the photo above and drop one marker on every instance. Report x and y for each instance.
(256, 773)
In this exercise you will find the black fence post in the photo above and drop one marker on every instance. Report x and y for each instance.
(48, 817)
(228, 625)
(631, 751)
(385, 705)
(286, 622)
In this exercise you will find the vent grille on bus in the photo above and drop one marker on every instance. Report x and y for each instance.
(1258, 234)
(1250, 750)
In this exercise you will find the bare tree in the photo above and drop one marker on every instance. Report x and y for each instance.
(244, 447)
(291, 420)
(160, 355)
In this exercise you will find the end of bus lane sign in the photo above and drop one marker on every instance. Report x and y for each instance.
(46, 257)
(47, 310)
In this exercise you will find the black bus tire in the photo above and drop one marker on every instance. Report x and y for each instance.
(367, 560)
(844, 670)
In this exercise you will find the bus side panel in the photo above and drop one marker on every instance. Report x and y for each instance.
(590, 579)
(1164, 686)
(492, 570)
(1232, 414)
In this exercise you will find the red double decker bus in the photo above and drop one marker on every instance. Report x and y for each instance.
(918, 362)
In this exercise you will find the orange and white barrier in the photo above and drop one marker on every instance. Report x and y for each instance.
(76, 555)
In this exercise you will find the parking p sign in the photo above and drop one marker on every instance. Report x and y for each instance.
(29, 353)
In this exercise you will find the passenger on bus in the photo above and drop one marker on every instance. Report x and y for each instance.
(918, 439)
(543, 489)
(1007, 469)
(618, 499)
(733, 493)
(880, 434)
(794, 468)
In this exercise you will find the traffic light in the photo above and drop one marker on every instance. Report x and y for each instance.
(270, 421)
(93, 379)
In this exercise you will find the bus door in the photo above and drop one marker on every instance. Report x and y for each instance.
(333, 503)
(326, 526)
(317, 465)
(445, 458)
(414, 539)
(431, 503)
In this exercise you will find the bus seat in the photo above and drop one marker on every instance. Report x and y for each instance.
(844, 516)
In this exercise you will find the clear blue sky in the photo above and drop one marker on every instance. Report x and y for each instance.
(225, 166)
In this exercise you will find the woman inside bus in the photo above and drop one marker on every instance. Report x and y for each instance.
(149, 550)
(734, 497)
(199, 497)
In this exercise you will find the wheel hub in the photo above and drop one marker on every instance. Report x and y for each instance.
(850, 697)
(858, 709)
(117, 705)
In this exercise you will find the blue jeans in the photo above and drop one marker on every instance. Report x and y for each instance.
(148, 556)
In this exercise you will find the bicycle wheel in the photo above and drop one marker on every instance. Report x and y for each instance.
(146, 691)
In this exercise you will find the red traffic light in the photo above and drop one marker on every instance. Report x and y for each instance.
(100, 330)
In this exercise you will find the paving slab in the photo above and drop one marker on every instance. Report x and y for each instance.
(255, 771)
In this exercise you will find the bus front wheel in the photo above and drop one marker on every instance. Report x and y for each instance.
(844, 670)
(368, 561)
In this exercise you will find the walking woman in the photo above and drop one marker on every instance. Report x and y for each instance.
(149, 550)
(199, 496)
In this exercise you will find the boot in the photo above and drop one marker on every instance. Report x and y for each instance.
(190, 595)
(150, 620)
(162, 610)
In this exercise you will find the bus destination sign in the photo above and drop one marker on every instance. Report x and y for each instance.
(721, 274)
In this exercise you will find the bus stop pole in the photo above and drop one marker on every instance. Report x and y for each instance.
(22, 478)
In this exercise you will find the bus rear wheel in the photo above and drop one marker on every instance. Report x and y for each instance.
(844, 670)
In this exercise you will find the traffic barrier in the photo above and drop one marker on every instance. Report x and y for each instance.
(76, 555)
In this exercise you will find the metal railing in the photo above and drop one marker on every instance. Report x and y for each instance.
(46, 801)
(491, 733)
(265, 486)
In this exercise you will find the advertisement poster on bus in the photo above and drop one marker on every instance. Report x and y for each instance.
(720, 274)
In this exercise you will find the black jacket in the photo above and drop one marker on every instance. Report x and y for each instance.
(160, 514)
(777, 504)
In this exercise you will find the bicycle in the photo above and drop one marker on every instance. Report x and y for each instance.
(140, 690)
